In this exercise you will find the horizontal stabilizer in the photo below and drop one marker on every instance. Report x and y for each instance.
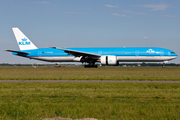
(17, 52)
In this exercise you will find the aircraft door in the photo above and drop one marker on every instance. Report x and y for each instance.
(39, 53)
(137, 53)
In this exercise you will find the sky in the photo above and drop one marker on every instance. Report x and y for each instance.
(90, 23)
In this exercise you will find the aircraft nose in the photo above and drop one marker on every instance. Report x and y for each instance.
(176, 55)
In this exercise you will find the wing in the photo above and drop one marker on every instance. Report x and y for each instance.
(17, 52)
(79, 53)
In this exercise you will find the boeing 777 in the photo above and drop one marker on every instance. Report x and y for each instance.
(106, 56)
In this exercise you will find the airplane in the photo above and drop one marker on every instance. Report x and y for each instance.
(109, 56)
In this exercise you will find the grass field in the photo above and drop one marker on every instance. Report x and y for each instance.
(123, 101)
(80, 73)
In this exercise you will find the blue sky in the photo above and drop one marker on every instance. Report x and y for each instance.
(90, 23)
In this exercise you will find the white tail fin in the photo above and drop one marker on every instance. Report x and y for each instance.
(23, 42)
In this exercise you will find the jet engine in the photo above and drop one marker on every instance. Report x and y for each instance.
(109, 60)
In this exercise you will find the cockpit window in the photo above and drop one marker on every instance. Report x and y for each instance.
(172, 52)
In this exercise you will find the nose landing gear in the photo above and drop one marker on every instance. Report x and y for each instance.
(164, 64)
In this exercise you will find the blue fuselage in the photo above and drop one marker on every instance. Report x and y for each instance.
(125, 54)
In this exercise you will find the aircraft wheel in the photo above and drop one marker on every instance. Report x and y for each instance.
(95, 66)
(88, 66)
(163, 66)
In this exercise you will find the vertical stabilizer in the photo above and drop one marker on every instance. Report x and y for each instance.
(23, 42)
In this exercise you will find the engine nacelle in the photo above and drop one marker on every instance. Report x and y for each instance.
(109, 60)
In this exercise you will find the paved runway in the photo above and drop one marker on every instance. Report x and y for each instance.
(84, 81)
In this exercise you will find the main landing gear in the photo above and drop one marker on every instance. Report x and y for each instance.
(91, 65)
(90, 61)
(88, 66)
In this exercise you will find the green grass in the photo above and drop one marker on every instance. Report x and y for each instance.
(79, 73)
(126, 101)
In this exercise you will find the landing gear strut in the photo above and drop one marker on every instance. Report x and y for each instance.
(164, 64)
(91, 65)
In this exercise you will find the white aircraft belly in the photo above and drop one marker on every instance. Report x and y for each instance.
(55, 59)
(144, 58)
(119, 58)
